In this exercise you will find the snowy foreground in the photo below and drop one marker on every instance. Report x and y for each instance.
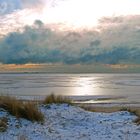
(63, 122)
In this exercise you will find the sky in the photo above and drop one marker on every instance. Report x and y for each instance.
(70, 31)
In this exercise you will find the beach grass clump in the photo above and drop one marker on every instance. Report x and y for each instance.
(137, 121)
(3, 124)
(57, 99)
(135, 111)
(21, 109)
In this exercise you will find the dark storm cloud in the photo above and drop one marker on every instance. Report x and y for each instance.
(115, 44)
(29, 46)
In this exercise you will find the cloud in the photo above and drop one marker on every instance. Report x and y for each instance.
(116, 42)
(15, 14)
(29, 46)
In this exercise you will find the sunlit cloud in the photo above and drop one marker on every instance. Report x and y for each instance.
(70, 31)
(85, 13)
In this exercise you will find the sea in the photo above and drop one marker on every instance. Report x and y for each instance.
(88, 88)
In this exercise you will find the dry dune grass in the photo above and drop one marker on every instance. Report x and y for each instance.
(30, 111)
(21, 109)
(3, 124)
(57, 99)
(135, 111)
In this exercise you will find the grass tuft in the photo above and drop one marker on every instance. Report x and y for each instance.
(21, 109)
(134, 111)
(57, 99)
(3, 124)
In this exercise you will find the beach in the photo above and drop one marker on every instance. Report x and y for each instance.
(64, 122)
(97, 111)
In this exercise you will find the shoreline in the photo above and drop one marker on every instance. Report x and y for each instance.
(98, 101)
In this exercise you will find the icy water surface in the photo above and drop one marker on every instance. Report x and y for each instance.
(87, 85)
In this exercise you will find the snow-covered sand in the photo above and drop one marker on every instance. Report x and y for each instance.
(64, 122)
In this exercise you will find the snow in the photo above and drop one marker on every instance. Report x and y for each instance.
(64, 122)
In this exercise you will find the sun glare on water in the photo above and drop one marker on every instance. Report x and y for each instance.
(85, 86)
